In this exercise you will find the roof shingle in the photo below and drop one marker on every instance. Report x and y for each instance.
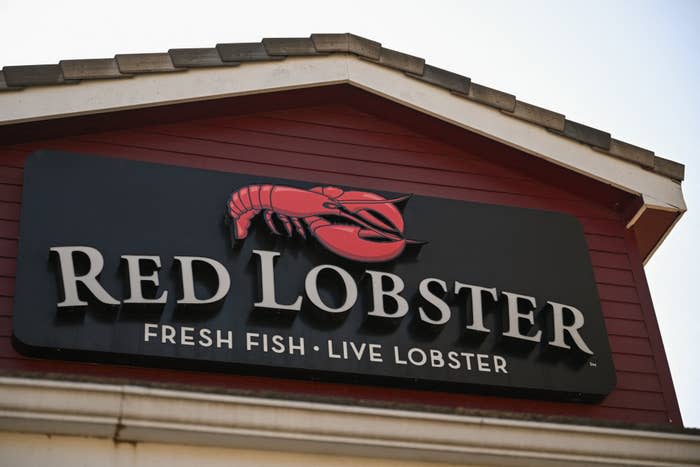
(95, 68)
(443, 78)
(245, 52)
(34, 75)
(347, 43)
(401, 61)
(538, 115)
(196, 58)
(493, 97)
(586, 134)
(145, 63)
(290, 46)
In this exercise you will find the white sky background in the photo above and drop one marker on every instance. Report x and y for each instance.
(630, 68)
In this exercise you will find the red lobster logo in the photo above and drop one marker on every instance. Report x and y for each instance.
(357, 225)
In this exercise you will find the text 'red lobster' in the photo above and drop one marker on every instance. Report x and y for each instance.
(374, 232)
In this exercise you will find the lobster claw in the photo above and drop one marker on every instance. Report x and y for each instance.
(356, 243)
(369, 210)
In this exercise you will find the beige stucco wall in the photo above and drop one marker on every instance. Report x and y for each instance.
(33, 450)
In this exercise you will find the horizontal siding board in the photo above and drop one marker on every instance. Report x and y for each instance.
(7, 287)
(606, 243)
(6, 306)
(10, 193)
(618, 293)
(635, 399)
(625, 327)
(9, 229)
(614, 276)
(638, 381)
(8, 248)
(634, 363)
(6, 349)
(11, 175)
(8, 267)
(610, 260)
(10, 157)
(590, 227)
(630, 345)
(631, 415)
(603, 226)
(341, 117)
(9, 211)
(631, 311)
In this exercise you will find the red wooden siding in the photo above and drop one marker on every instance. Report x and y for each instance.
(340, 144)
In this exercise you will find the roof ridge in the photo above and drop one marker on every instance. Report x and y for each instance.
(19, 77)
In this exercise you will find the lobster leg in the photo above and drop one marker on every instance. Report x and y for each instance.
(299, 227)
(286, 223)
(268, 221)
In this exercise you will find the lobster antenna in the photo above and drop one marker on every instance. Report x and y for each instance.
(376, 201)
(417, 242)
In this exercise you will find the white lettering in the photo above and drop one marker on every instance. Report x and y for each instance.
(89, 279)
(378, 294)
(375, 353)
(251, 340)
(560, 328)
(397, 358)
(436, 359)
(483, 362)
(186, 268)
(424, 290)
(220, 340)
(477, 304)
(186, 337)
(418, 361)
(515, 316)
(267, 283)
(136, 278)
(311, 285)
(168, 335)
(499, 364)
(147, 333)
(205, 337)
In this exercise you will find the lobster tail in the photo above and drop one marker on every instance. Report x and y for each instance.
(245, 204)
(240, 226)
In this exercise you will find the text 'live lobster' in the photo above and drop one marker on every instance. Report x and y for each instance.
(357, 225)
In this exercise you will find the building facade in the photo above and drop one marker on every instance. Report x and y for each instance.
(487, 173)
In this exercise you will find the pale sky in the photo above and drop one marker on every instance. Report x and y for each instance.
(630, 68)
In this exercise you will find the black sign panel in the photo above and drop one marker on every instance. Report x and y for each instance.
(488, 298)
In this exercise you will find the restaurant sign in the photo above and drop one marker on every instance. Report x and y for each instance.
(155, 265)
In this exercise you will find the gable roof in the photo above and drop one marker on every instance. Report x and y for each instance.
(16, 78)
(31, 93)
